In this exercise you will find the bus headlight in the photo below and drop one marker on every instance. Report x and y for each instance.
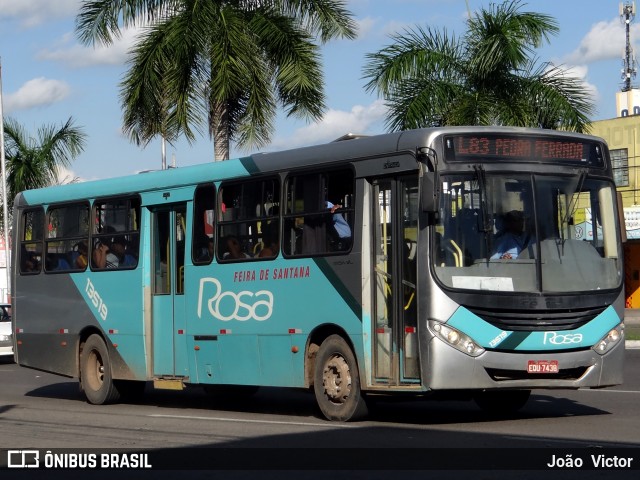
(456, 339)
(610, 340)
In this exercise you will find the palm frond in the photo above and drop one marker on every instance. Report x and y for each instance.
(230, 61)
(415, 54)
(485, 77)
(327, 18)
(34, 162)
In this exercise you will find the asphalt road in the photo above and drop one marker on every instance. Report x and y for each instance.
(42, 411)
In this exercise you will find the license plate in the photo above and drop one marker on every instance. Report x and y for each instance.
(542, 366)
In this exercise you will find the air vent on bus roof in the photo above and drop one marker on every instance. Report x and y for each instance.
(349, 136)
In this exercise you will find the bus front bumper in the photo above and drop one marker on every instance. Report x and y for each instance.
(449, 369)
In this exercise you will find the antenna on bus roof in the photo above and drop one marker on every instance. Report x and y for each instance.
(349, 136)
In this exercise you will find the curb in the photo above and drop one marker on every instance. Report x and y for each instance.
(632, 344)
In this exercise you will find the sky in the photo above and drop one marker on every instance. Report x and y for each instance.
(48, 76)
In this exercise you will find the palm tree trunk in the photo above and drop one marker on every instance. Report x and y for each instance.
(219, 130)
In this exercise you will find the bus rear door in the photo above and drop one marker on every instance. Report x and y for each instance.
(168, 228)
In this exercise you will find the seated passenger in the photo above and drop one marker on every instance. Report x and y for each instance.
(269, 240)
(119, 249)
(234, 249)
(513, 239)
(341, 227)
(103, 257)
(57, 263)
(30, 262)
(79, 256)
(204, 252)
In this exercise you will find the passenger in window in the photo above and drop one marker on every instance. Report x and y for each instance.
(119, 250)
(80, 256)
(103, 257)
(204, 252)
(56, 263)
(234, 249)
(513, 239)
(270, 240)
(341, 227)
(30, 262)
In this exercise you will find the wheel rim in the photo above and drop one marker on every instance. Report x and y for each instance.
(95, 373)
(336, 378)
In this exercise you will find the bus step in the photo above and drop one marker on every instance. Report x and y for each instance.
(168, 383)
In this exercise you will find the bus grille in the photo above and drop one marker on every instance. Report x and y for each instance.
(498, 375)
(532, 320)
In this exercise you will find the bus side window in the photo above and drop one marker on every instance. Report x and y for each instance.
(31, 237)
(67, 238)
(248, 220)
(203, 225)
(116, 225)
(318, 219)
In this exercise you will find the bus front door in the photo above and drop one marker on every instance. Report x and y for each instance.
(395, 223)
(168, 299)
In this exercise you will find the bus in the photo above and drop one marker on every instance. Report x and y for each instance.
(360, 268)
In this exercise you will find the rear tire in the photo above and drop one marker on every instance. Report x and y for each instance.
(337, 381)
(501, 402)
(95, 372)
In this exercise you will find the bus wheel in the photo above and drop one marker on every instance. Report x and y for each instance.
(337, 382)
(95, 372)
(497, 402)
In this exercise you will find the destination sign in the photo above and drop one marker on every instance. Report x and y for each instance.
(473, 148)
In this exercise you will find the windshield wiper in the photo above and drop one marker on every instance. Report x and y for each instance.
(573, 203)
(486, 221)
(482, 183)
(565, 217)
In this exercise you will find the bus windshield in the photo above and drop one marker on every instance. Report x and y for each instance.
(526, 233)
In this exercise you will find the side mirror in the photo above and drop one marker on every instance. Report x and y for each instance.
(429, 192)
(621, 221)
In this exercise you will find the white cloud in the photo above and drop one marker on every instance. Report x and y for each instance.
(36, 93)
(71, 53)
(375, 28)
(365, 27)
(336, 123)
(31, 13)
(66, 175)
(582, 72)
(604, 41)
(394, 27)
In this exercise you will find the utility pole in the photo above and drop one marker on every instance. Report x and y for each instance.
(5, 212)
(627, 14)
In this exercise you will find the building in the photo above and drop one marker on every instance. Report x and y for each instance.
(622, 134)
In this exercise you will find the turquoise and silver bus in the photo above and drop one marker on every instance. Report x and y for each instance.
(367, 266)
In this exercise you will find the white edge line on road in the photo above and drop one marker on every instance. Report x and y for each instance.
(601, 390)
(269, 422)
(588, 443)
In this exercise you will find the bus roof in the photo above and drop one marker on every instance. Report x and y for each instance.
(352, 147)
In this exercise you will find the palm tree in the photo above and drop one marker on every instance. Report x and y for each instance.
(224, 65)
(489, 76)
(34, 163)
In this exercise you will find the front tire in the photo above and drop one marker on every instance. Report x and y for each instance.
(95, 372)
(337, 381)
